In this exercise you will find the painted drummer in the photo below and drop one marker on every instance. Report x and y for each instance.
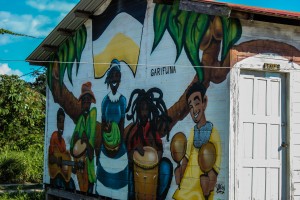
(148, 111)
(201, 163)
(83, 139)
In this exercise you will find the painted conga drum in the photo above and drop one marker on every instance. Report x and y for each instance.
(79, 152)
(145, 174)
(207, 157)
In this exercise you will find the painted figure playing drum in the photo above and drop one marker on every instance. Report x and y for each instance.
(151, 172)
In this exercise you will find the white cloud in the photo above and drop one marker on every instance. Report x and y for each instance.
(57, 6)
(4, 39)
(5, 69)
(37, 26)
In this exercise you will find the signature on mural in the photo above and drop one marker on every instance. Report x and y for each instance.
(220, 188)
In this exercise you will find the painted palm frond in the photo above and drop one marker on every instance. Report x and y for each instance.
(232, 31)
(69, 52)
(80, 41)
(160, 20)
(184, 29)
(197, 27)
(176, 26)
(188, 29)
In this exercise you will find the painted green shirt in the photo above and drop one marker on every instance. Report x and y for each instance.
(88, 126)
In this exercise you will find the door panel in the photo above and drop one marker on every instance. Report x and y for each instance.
(259, 183)
(261, 104)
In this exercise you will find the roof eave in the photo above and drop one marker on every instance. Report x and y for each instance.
(242, 12)
(83, 11)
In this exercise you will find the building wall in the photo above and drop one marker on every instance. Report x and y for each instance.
(157, 49)
(278, 44)
(294, 143)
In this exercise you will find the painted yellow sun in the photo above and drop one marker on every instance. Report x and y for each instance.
(121, 47)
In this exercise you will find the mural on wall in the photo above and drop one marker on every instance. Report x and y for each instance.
(121, 147)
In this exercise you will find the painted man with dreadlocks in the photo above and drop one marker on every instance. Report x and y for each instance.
(149, 114)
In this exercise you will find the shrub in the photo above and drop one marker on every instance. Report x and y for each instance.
(34, 160)
(22, 114)
(11, 170)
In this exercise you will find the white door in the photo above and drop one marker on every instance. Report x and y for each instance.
(261, 136)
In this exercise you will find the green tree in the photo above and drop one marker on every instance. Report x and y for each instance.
(22, 114)
(39, 84)
(8, 32)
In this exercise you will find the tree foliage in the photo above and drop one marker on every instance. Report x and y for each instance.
(39, 84)
(22, 114)
(8, 32)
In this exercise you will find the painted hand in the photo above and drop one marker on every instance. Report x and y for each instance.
(140, 149)
(84, 138)
(204, 182)
(208, 182)
(212, 179)
(178, 174)
(106, 127)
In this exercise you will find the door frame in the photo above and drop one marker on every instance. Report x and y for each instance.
(234, 128)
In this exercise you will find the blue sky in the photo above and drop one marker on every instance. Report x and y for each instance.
(38, 17)
(287, 5)
(31, 17)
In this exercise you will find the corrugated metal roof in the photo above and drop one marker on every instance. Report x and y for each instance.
(72, 21)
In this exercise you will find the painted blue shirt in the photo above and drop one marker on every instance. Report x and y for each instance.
(113, 110)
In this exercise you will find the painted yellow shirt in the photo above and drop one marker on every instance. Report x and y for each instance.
(190, 183)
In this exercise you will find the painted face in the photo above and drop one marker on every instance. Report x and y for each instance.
(197, 107)
(60, 124)
(86, 101)
(115, 81)
(144, 113)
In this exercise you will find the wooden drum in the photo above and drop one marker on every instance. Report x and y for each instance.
(79, 149)
(145, 174)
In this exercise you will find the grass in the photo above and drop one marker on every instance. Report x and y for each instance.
(21, 174)
(20, 195)
(36, 186)
(21, 166)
